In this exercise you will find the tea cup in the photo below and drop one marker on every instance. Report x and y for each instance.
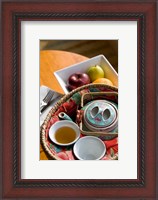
(89, 148)
(64, 133)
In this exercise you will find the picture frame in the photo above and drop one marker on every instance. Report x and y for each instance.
(145, 186)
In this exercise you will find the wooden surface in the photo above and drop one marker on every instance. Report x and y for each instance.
(51, 61)
(88, 48)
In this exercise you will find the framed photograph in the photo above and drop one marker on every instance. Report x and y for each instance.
(74, 64)
(88, 69)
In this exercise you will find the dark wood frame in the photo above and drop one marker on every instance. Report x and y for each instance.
(144, 12)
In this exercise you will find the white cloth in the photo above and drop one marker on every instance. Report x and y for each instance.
(56, 97)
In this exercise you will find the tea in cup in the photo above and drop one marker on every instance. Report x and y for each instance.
(64, 133)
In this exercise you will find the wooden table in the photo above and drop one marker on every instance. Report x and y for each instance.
(51, 61)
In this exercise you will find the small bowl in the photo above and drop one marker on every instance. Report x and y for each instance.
(68, 134)
(89, 148)
(62, 75)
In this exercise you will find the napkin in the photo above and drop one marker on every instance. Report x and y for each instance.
(56, 97)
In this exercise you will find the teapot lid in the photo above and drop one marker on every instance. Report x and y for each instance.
(100, 113)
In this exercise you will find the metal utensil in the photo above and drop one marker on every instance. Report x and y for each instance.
(46, 100)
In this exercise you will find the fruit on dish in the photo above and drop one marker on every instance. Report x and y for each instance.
(77, 79)
(94, 74)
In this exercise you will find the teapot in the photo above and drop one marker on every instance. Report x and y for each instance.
(98, 115)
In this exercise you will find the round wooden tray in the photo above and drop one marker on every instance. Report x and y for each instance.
(69, 104)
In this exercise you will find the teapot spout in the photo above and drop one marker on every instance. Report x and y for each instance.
(64, 116)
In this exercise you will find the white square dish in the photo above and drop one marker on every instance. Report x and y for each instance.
(63, 74)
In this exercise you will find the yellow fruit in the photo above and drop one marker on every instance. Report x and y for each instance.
(95, 72)
(103, 80)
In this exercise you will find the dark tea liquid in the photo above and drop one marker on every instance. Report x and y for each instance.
(65, 135)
